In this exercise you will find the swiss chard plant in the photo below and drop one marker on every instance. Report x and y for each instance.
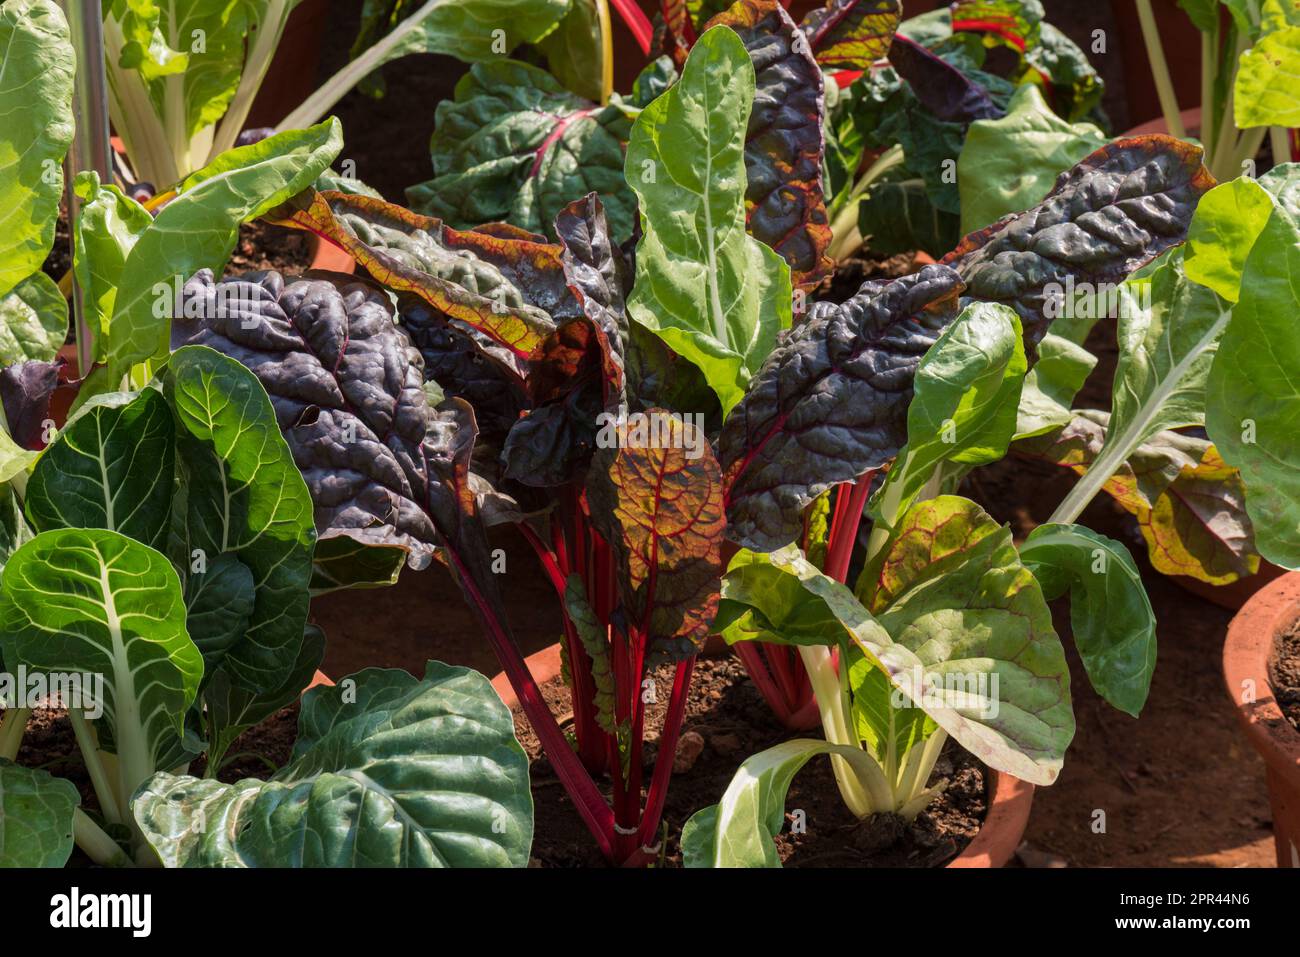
(1249, 54)
(946, 632)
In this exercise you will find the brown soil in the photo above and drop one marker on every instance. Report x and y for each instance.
(59, 261)
(264, 246)
(1284, 675)
(733, 723)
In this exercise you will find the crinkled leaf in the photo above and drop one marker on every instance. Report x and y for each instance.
(409, 773)
(655, 494)
(33, 321)
(504, 284)
(382, 467)
(112, 467)
(1110, 614)
(715, 294)
(1010, 163)
(36, 102)
(89, 600)
(951, 589)
(198, 229)
(36, 811)
(830, 404)
(851, 34)
(784, 204)
(244, 501)
(515, 145)
(1113, 211)
(1016, 23)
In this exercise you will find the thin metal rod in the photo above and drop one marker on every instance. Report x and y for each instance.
(91, 149)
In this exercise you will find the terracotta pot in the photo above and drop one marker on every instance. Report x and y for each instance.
(1252, 640)
(328, 257)
(1191, 124)
(994, 845)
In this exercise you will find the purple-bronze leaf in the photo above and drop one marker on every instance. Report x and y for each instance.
(830, 404)
(942, 88)
(26, 390)
(655, 494)
(851, 34)
(1118, 208)
(347, 387)
(784, 203)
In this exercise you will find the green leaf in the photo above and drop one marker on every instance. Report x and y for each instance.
(951, 590)
(967, 388)
(876, 718)
(1264, 93)
(33, 321)
(716, 295)
(1253, 395)
(408, 773)
(1223, 231)
(573, 50)
(243, 498)
(515, 146)
(198, 229)
(232, 710)
(1010, 164)
(341, 562)
(107, 227)
(472, 30)
(1114, 626)
(738, 831)
(112, 467)
(35, 817)
(1169, 331)
(36, 103)
(1051, 385)
(88, 600)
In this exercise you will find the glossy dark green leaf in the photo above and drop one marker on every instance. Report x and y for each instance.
(402, 772)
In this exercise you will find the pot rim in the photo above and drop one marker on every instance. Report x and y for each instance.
(1252, 638)
(1004, 822)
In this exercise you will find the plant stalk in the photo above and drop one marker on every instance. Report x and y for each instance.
(269, 31)
(314, 108)
(1279, 141)
(97, 845)
(88, 742)
(1160, 69)
(12, 727)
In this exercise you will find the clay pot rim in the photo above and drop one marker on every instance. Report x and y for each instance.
(1252, 638)
(328, 257)
(995, 844)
